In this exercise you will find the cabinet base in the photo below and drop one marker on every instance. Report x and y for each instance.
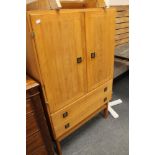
(104, 109)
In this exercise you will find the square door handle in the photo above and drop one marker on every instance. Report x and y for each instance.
(93, 55)
(105, 99)
(105, 89)
(67, 125)
(79, 60)
(65, 114)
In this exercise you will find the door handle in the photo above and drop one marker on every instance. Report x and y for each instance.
(67, 125)
(105, 89)
(79, 60)
(65, 114)
(93, 55)
(105, 99)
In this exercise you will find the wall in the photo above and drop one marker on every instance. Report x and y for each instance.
(119, 2)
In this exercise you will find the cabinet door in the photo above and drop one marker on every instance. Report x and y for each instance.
(100, 46)
(60, 47)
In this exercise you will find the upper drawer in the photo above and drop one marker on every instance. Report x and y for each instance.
(32, 124)
(73, 114)
(33, 102)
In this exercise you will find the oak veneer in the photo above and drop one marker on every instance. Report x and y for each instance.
(71, 53)
(80, 109)
(82, 3)
(99, 39)
(65, 4)
(61, 61)
(37, 4)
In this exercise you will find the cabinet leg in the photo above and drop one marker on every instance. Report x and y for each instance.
(105, 111)
(58, 148)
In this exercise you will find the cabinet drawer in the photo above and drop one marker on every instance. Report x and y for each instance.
(35, 122)
(33, 142)
(33, 103)
(40, 151)
(32, 125)
(73, 114)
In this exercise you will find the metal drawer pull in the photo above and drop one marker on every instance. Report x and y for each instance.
(67, 125)
(65, 114)
(105, 89)
(105, 99)
(79, 60)
(93, 55)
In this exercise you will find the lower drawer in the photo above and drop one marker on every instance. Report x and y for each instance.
(73, 114)
(33, 103)
(33, 142)
(32, 125)
(40, 151)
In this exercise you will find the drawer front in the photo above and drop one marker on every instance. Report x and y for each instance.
(40, 151)
(31, 124)
(37, 135)
(35, 123)
(33, 142)
(73, 114)
(33, 102)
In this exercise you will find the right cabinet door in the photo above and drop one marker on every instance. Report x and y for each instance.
(100, 46)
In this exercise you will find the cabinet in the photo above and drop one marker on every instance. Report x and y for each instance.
(38, 140)
(71, 53)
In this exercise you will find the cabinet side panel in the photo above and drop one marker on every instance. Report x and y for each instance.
(111, 44)
(31, 59)
(32, 64)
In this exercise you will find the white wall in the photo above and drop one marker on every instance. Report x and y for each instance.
(119, 2)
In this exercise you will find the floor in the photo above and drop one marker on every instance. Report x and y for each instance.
(104, 136)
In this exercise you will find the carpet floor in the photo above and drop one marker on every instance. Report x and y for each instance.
(104, 136)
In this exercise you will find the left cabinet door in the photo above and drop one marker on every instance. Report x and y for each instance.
(60, 46)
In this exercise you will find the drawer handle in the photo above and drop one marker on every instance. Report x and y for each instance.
(79, 60)
(105, 99)
(67, 125)
(93, 55)
(105, 89)
(65, 114)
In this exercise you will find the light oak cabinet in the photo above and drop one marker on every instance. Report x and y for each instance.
(71, 53)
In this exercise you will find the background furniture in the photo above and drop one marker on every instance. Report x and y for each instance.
(122, 25)
(121, 40)
(71, 53)
(38, 140)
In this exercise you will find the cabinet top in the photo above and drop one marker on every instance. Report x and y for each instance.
(34, 12)
(30, 83)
